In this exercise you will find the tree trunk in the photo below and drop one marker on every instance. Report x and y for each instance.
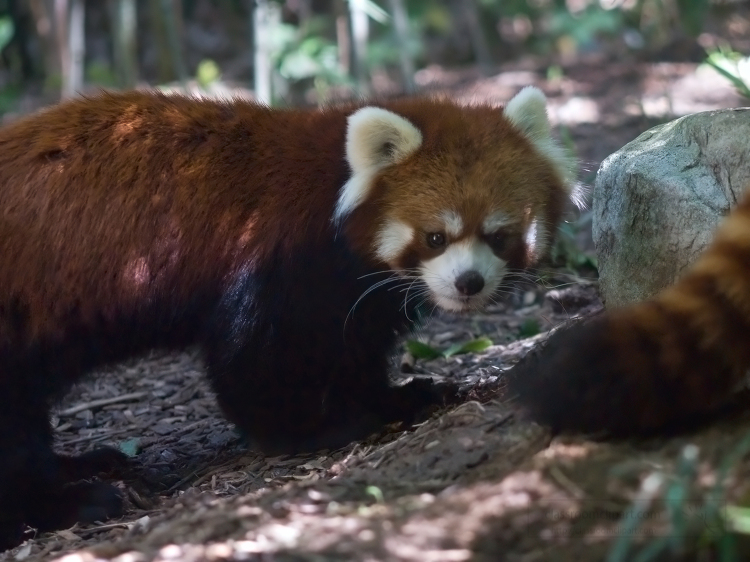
(69, 19)
(263, 17)
(477, 37)
(360, 32)
(401, 32)
(172, 13)
(123, 16)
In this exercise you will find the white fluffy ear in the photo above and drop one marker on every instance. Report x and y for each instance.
(528, 113)
(375, 138)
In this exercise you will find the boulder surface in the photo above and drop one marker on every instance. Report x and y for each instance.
(657, 200)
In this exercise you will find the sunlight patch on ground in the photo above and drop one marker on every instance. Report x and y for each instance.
(568, 450)
(670, 92)
(577, 110)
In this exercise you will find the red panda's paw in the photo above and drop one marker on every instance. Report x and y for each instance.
(11, 531)
(52, 492)
(418, 399)
(354, 416)
(50, 508)
(408, 403)
(81, 502)
(102, 461)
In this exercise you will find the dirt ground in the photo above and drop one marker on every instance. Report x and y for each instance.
(475, 482)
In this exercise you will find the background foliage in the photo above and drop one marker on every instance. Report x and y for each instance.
(309, 50)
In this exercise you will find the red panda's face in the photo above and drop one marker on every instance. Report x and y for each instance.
(460, 258)
(456, 200)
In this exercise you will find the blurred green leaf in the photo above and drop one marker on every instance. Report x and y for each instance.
(472, 346)
(437, 18)
(584, 27)
(298, 65)
(6, 31)
(738, 518)
(693, 15)
(530, 327)
(376, 493)
(207, 73)
(100, 73)
(9, 97)
(281, 36)
(130, 447)
(421, 350)
(554, 72)
(733, 66)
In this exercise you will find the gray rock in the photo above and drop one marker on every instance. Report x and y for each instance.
(658, 200)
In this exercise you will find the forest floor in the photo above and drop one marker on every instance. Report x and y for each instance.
(475, 482)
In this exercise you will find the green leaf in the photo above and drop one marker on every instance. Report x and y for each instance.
(529, 328)
(728, 65)
(376, 493)
(421, 350)
(281, 37)
(692, 15)
(6, 31)
(208, 72)
(738, 518)
(655, 550)
(130, 447)
(298, 65)
(472, 346)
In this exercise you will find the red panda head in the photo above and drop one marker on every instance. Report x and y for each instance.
(455, 197)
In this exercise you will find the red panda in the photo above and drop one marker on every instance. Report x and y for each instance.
(657, 365)
(294, 247)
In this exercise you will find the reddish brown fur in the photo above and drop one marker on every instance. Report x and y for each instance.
(136, 220)
(493, 169)
(656, 364)
(148, 169)
(453, 170)
(169, 170)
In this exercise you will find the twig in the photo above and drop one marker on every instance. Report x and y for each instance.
(102, 402)
(105, 527)
(202, 478)
(97, 438)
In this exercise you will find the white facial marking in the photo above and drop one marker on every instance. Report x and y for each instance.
(353, 193)
(454, 224)
(528, 112)
(495, 221)
(375, 138)
(537, 239)
(392, 238)
(440, 274)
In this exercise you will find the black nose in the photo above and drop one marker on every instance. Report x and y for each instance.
(469, 283)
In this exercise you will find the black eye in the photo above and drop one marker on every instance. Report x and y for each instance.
(435, 239)
(497, 240)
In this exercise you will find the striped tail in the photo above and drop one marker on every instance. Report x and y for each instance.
(654, 365)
